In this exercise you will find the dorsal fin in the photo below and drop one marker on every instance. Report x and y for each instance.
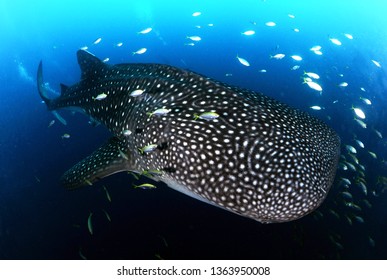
(91, 66)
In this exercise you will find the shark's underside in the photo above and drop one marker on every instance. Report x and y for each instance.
(230, 147)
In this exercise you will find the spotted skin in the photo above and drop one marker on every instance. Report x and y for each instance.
(259, 158)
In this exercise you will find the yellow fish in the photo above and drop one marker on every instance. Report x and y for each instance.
(107, 194)
(107, 215)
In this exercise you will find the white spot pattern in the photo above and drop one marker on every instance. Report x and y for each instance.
(259, 158)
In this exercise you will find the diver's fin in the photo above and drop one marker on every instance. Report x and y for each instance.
(107, 160)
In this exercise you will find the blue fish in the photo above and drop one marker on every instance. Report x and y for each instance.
(251, 155)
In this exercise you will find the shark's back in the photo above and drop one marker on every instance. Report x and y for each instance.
(230, 147)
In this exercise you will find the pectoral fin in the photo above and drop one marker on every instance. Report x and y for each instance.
(107, 160)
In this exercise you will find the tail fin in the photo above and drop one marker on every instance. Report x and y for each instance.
(41, 87)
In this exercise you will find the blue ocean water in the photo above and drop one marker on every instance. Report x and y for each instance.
(41, 220)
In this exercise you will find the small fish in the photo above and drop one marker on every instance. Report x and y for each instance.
(312, 75)
(278, 56)
(295, 67)
(362, 89)
(189, 44)
(359, 219)
(145, 31)
(296, 57)
(376, 63)
(270, 23)
(371, 241)
(291, 16)
(126, 132)
(353, 206)
(262, 71)
(97, 41)
(296, 30)
(206, 116)
(346, 181)
(359, 143)
(343, 84)
(307, 79)
(194, 38)
(107, 215)
(361, 123)
(335, 41)
(342, 166)
(315, 48)
(88, 182)
(354, 158)
(347, 195)
(100, 96)
(107, 194)
(159, 112)
(248, 32)
(367, 203)
(145, 186)
(359, 112)
(363, 187)
(81, 254)
(361, 169)
(313, 85)
(350, 149)
(136, 92)
(317, 108)
(318, 52)
(51, 123)
(84, 48)
(123, 155)
(196, 14)
(134, 175)
(351, 166)
(65, 136)
(164, 241)
(119, 44)
(106, 60)
(37, 179)
(366, 100)
(348, 220)
(378, 134)
(373, 154)
(243, 61)
(140, 51)
(334, 213)
(89, 224)
(148, 148)
(360, 179)
(318, 215)
(151, 173)
(349, 36)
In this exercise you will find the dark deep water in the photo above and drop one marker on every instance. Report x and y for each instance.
(41, 220)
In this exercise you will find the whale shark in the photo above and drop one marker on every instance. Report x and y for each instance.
(227, 146)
